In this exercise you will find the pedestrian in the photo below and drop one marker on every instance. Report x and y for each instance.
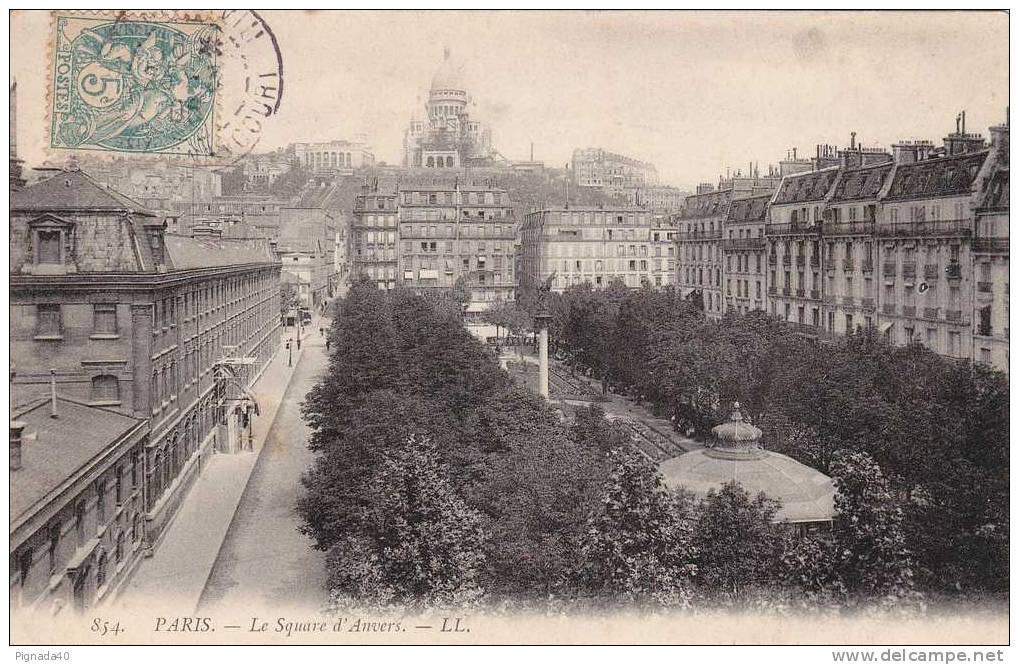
(321, 332)
(327, 345)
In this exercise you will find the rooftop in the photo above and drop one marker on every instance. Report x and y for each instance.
(60, 446)
(936, 177)
(708, 204)
(808, 186)
(750, 209)
(185, 252)
(862, 183)
(74, 190)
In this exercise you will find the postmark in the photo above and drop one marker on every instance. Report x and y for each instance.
(135, 85)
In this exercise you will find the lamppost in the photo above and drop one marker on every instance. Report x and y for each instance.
(541, 320)
(290, 355)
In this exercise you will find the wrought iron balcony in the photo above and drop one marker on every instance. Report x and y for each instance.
(848, 228)
(984, 287)
(953, 271)
(995, 245)
(734, 244)
(934, 227)
(786, 290)
(930, 313)
(909, 270)
(815, 294)
(909, 310)
(930, 271)
(867, 265)
(786, 260)
(772, 290)
(772, 259)
(815, 261)
(888, 308)
(953, 315)
(801, 260)
(847, 264)
(867, 304)
(799, 293)
(848, 301)
(889, 268)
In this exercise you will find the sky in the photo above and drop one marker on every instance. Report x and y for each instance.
(691, 92)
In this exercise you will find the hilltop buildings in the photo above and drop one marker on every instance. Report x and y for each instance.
(448, 137)
(134, 350)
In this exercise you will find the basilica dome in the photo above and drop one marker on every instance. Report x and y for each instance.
(449, 75)
(807, 495)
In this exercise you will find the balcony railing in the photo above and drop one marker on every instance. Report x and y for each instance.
(848, 228)
(953, 315)
(889, 268)
(930, 271)
(888, 308)
(815, 294)
(828, 300)
(815, 261)
(772, 290)
(934, 227)
(772, 259)
(930, 313)
(799, 293)
(700, 235)
(867, 265)
(985, 287)
(997, 245)
(801, 260)
(953, 271)
(791, 229)
(847, 264)
(787, 260)
(909, 270)
(909, 310)
(848, 301)
(867, 304)
(786, 290)
(732, 244)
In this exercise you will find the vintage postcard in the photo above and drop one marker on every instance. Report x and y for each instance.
(520, 327)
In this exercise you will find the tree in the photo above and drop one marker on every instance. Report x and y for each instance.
(637, 546)
(737, 542)
(420, 544)
(873, 560)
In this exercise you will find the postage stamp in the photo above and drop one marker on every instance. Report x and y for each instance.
(134, 85)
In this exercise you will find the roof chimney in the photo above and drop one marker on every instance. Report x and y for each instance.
(17, 427)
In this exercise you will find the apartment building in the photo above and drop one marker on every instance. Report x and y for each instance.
(448, 232)
(372, 244)
(589, 244)
(698, 246)
(743, 246)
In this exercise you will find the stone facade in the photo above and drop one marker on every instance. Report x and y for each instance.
(111, 311)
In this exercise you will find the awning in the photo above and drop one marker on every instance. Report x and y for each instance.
(886, 326)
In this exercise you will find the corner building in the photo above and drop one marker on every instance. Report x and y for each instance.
(110, 312)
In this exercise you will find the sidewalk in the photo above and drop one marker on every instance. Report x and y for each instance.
(174, 577)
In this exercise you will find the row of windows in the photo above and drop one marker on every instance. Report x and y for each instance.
(449, 198)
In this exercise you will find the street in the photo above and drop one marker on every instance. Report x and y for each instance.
(265, 560)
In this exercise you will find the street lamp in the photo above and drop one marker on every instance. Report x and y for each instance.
(290, 355)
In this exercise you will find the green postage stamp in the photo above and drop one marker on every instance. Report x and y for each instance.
(134, 85)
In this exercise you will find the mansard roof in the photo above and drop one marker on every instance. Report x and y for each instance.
(74, 190)
(808, 186)
(185, 253)
(864, 182)
(749, 209)
(708, 204)
(996, 193)
(937, 177)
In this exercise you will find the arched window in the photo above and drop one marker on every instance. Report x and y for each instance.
(105, 388)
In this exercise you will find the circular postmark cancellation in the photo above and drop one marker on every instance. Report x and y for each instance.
(197, 85)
